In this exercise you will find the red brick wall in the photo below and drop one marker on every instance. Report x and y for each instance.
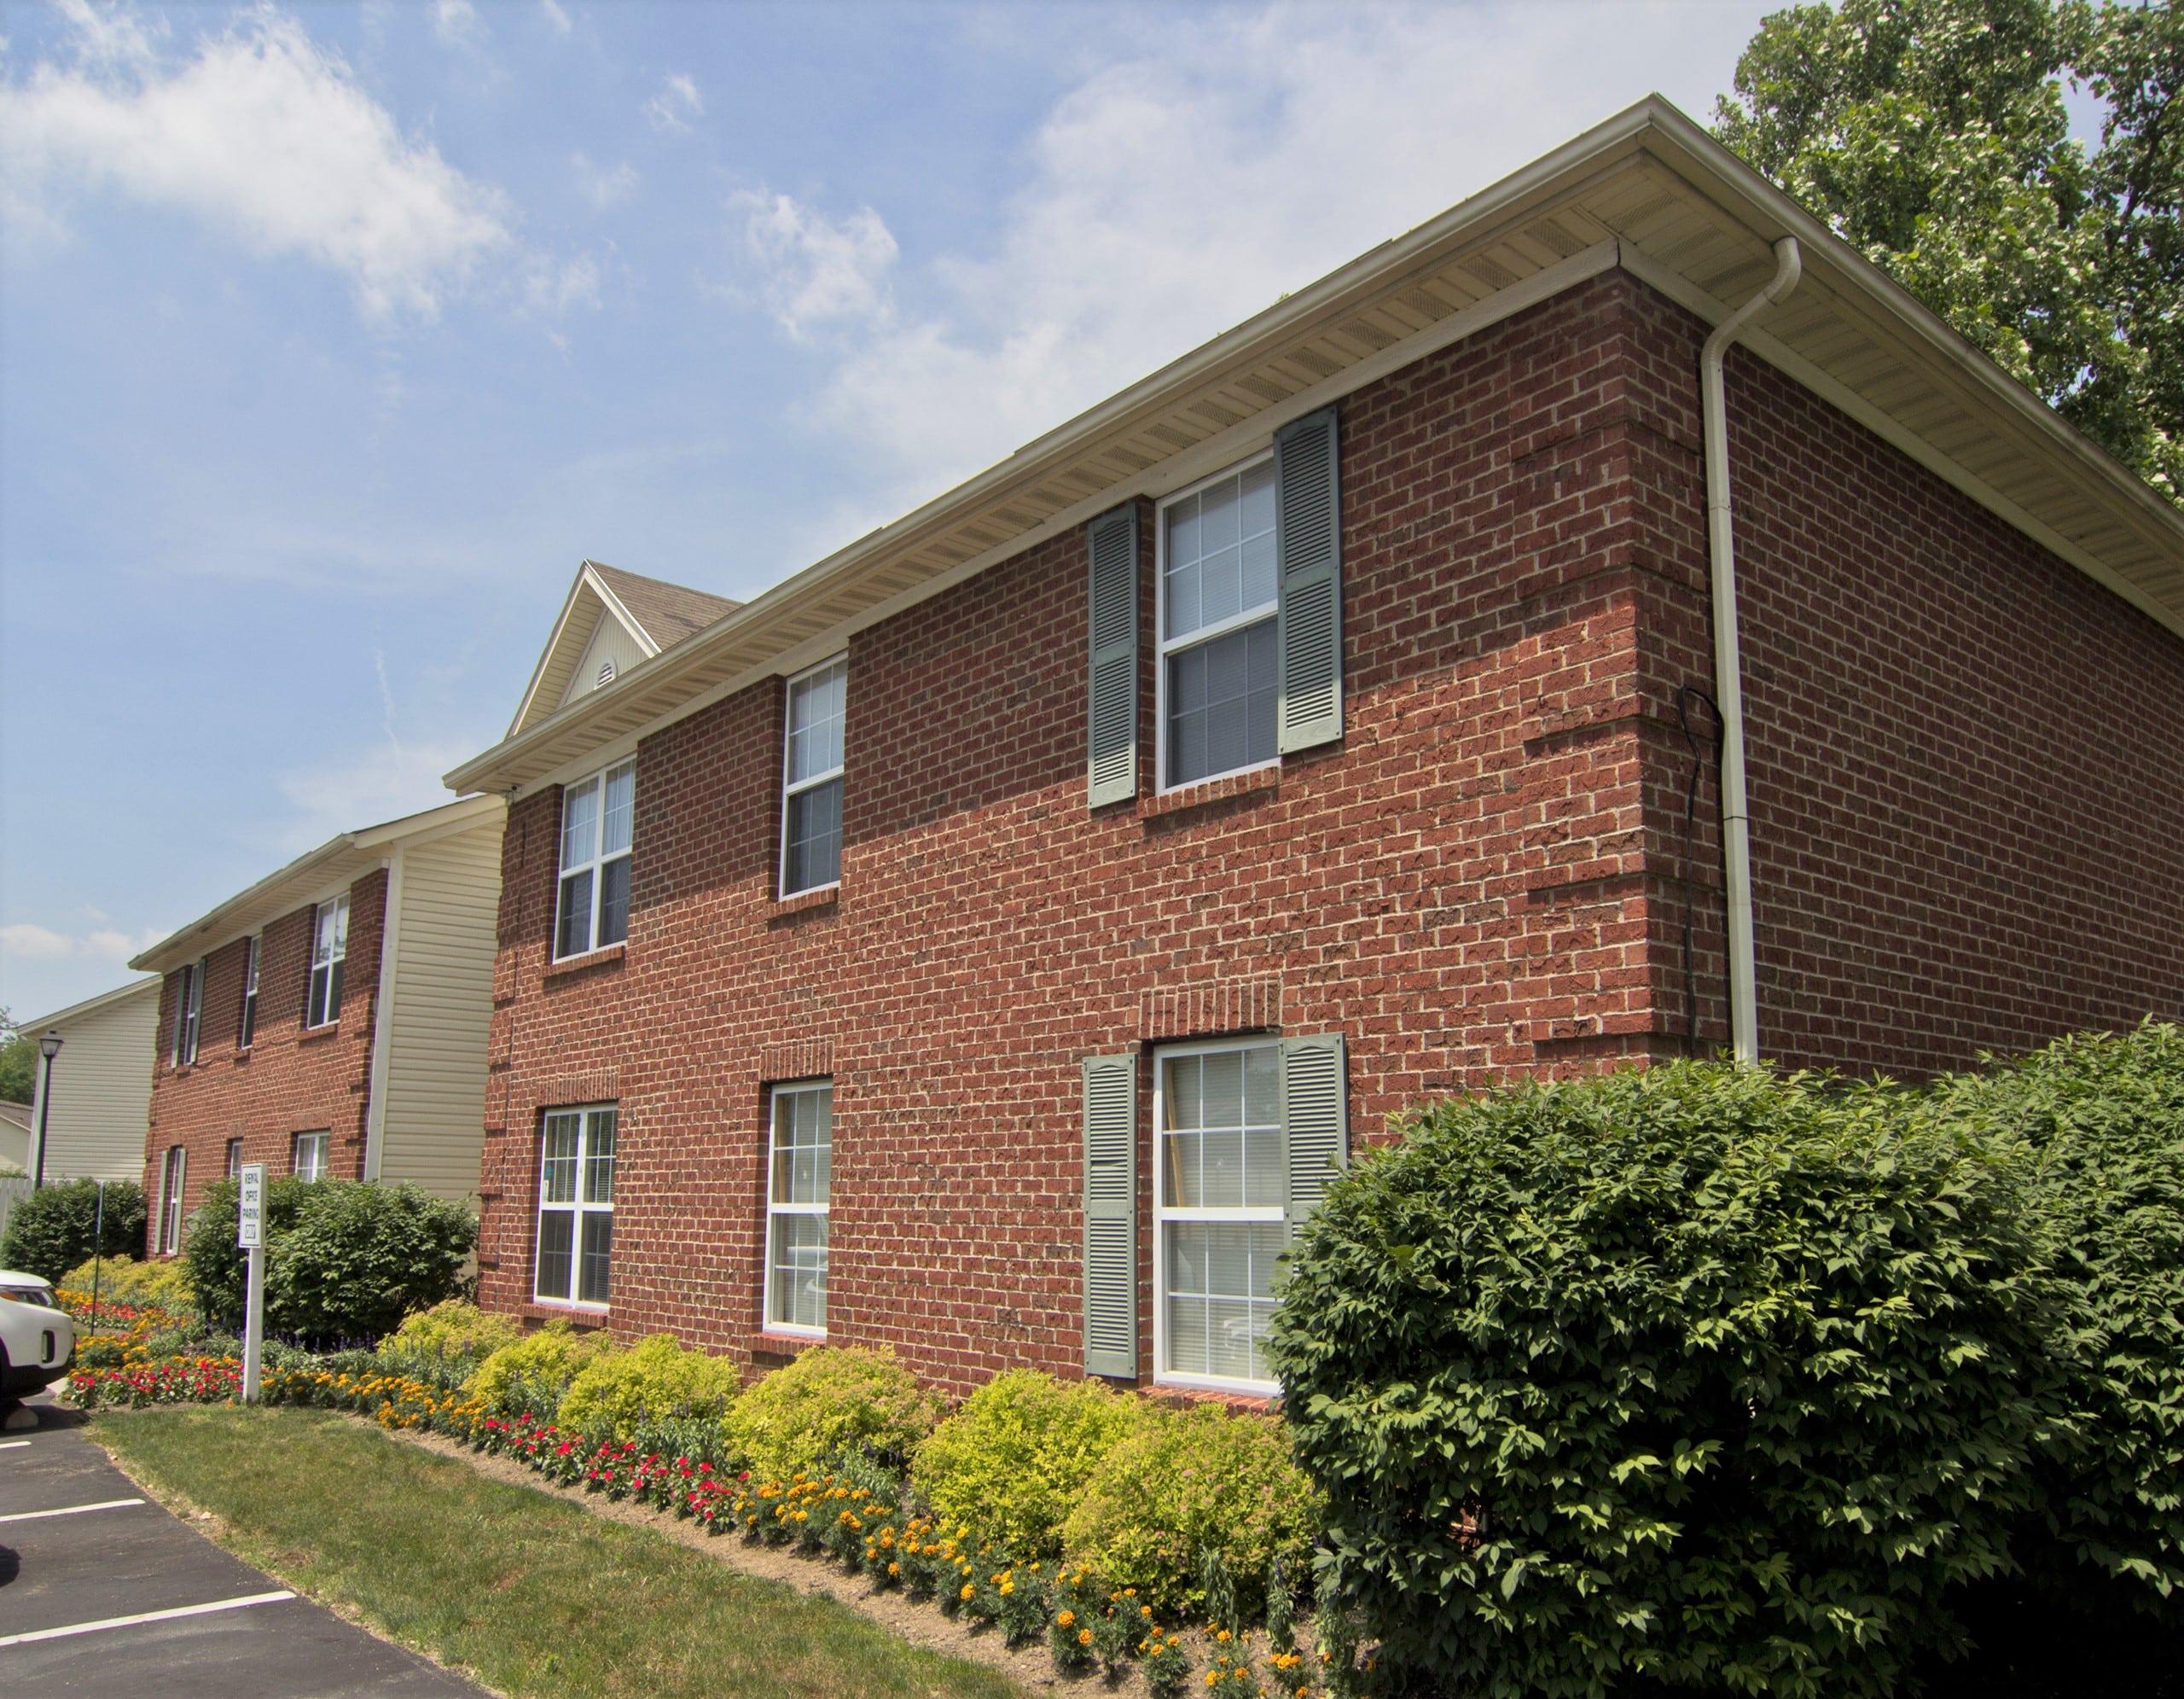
(1966, 758)
(1457, 889)
(290, 1080)
(1963, 755)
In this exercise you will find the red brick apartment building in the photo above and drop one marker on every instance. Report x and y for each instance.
(331, 1019)
(988, 941)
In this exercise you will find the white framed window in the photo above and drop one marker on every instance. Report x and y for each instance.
(1219, 1179)
(189, 1007)
(329, 949)
(247, 1025)
(1218, 601)
(307, 1154)
(575, 1205)
(811, 778)
(235, 1159)
(171, 1200)
(799, 1176)
(592, 908)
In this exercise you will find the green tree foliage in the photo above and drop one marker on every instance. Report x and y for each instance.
(1694, 1375)
(1931, 134)
(19, 1062)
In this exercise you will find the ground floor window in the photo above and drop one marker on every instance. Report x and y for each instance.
(171, 1200)
(799, 1178)
(576, 1204)
(307, 1155)
(235, 1159)
(1219, 1192)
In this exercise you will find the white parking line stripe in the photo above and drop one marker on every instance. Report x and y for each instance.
(146, 1616)
(71, 1509)
(10, 1445)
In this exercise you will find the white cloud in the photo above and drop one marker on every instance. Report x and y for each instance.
(26, 941)
(557, 17)
(676, 104)
(815, 269)
(456, 23)
(264, 135)
(1171, 194)
(602, 185)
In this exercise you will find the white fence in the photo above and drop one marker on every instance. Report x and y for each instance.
(11, 1192)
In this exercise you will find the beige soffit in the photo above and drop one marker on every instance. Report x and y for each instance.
(338, 862)
(1649, 191)
(657, 614)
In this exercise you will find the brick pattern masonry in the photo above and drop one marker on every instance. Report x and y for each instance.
(1967, 774)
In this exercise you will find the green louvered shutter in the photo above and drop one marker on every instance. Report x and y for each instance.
(1111, 1216)
(1308, 535)
(1315, 1121)
(1112, 718)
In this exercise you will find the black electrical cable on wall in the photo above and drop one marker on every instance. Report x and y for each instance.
(1685, 696)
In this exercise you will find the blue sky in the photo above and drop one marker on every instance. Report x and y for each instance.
(332, 338)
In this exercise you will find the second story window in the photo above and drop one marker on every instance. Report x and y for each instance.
(593, 906)
(329, 949)
(1220, 595)
(235, 1159)
(247, 1026)
(190, 1006)
(811, 778)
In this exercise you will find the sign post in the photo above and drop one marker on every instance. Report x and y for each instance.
(250, 1236)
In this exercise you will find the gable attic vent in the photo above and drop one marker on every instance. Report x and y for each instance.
(606, 674)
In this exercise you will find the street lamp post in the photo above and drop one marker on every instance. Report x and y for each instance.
(48, 1047)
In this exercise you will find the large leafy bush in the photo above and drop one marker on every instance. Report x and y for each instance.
(216, 1269)
(1695, 1374)
(529, 1377)
(2099, 1123)
(655, 1381)
(57, 1227)
(831, 1400)
(1183, 1491)
(1015, 1457)
(344, 1258)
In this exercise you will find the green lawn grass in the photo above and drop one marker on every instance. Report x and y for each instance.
(532, 1592)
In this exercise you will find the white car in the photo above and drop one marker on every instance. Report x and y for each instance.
(37, 1341)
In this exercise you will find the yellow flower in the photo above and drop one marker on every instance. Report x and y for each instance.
(1084, 1636)
(967, 1591)
(894, 1569)
(1067, 1618)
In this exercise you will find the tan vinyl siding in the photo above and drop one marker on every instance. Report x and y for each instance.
(610, 641)
(103, 1089)
(433, 1117)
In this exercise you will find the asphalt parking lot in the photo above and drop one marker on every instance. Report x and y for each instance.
(102, 1591)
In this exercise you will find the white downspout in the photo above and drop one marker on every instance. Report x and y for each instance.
(1728, 664)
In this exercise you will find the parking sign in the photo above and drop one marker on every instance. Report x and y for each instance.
(250, 1219)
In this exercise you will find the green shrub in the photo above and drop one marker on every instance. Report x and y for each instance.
(654, 1380)
(1015, 1457)
(363, 1255)
(1694, 1375)
(58, 1226)
(1183, 1490)
(124, 1280)
(216, 1269)
(831, 1400)
(528, 1378)
(445, 1345)
(2100, 1118)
